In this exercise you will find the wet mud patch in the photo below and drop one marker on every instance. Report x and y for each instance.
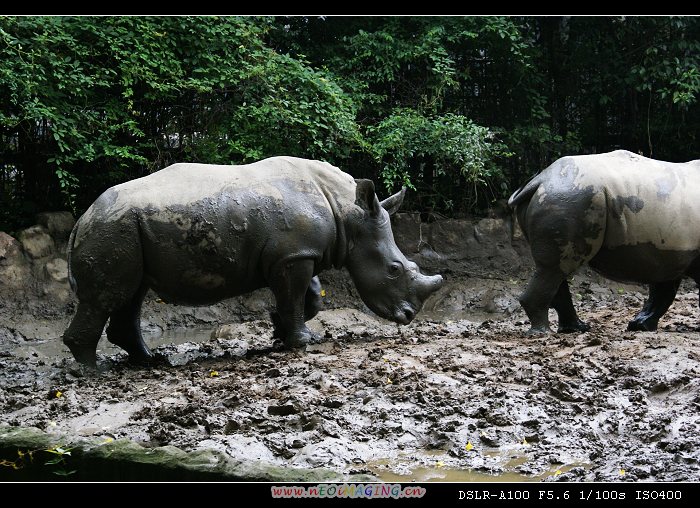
(456, 396)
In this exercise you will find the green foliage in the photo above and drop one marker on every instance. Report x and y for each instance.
(57, 458)
(448, 148)
(463, 109)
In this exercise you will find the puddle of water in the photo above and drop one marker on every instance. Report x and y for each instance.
(389, 470)
(54, 348)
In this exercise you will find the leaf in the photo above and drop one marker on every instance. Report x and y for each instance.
(469, 446)
(63, 472)
(622, 472)
(214, 373)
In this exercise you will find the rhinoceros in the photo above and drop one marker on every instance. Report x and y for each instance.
(629, 217)
(197, 234)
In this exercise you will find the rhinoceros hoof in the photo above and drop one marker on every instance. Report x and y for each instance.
(86, 356)
(577, 328)
(539, 330)
(142, 358)
(642, 326)
(300, 339)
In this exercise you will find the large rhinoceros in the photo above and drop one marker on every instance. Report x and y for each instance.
(198, 233)
(629, 217)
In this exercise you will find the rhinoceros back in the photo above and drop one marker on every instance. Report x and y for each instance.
(201, 233)
(644, 201)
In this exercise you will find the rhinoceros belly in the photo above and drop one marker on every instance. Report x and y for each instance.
(645, 263)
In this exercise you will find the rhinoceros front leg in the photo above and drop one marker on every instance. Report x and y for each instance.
(290, 283)
(661, 296)
(313, 303)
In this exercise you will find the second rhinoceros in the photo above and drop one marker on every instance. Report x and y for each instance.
(629, 217)
(198, 233)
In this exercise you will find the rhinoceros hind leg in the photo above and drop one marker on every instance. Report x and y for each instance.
(661, 296)
(538, 296)
(124, 330)
(568, 319)
(84, 333)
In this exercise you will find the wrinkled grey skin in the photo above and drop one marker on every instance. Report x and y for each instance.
(197, 234)
(629, 217)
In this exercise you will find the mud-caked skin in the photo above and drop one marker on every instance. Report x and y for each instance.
(197, 234)
(629, 217)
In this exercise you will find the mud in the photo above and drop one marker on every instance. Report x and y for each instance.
(461, 394)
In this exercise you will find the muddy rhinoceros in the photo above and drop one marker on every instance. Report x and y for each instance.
(198, 233)
(629, 217)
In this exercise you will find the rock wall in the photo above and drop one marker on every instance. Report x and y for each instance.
(33, 267)
(492, 246)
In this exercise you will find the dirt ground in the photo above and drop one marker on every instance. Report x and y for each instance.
(460, 394)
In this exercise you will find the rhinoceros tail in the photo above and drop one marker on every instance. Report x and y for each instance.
(71, 240)
(525, 192)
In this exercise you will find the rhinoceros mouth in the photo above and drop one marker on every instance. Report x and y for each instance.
(405, 313)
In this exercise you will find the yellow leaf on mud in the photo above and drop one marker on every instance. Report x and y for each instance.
(389, 381)
(525, 441)
(622, 472)
(439, 464)
(557, 472)
(469, 447)
(59, 394)
(108, 439)
(323, 292)
(214, 373)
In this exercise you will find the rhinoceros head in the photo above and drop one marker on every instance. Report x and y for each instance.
(389, 284)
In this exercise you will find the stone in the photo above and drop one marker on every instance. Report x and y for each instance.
(97, 459)
(37, 242)
(10, 249)
(57, 269)
(58, 224)
(14, 269)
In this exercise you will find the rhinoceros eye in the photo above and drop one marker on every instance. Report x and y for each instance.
(395, 270)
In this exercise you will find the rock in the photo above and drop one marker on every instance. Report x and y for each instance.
(57, 269)
(58, 224)
(10, 249)
(14, 269)
(96, 459)
(37, 242)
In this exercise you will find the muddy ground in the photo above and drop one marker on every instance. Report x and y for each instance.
(461, 394)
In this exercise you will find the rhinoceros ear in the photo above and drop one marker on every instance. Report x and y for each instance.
(392, 203)
(366, 198)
